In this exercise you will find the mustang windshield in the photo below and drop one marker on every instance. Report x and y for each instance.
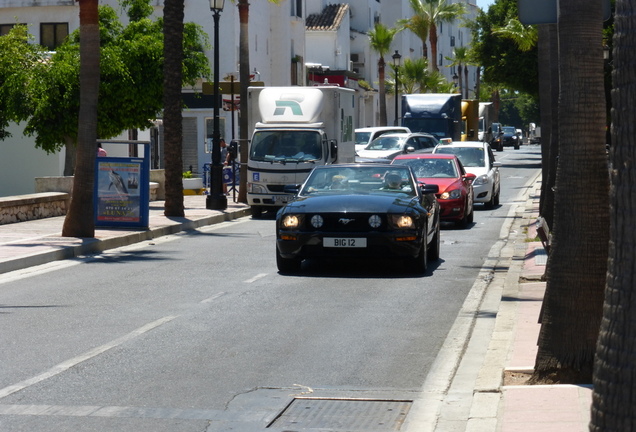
(367, 180)
(286, 146)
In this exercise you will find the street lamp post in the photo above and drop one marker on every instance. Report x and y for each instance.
(396, 63)
(216, 199)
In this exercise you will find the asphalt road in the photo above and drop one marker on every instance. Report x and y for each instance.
(198, 331)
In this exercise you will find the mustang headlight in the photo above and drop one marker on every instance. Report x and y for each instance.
(403, 221)
(454, 194)
(482, 179)
(291, 221)
(375, 221)
(317, 221)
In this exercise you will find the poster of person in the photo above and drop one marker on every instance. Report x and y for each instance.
(118, 197)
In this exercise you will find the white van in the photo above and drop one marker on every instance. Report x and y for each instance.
(364, 136)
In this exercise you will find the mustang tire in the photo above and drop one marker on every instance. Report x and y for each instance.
(287, 265)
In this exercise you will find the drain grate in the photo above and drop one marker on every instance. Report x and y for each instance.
(343, 415)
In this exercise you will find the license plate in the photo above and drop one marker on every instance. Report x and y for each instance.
(344, 242)
(281, 198)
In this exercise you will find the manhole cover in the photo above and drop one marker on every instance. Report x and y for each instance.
(343, 415)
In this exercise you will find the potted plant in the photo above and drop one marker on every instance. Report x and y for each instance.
(192, 183)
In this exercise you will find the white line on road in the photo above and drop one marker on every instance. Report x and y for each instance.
(214, 297)
(64, 366)
(255, 278)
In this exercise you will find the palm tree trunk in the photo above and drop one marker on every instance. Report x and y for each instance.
(244, 77)
(432, 37)
(80, 219)
(172, 115)
(548, 52)
(613, 398)
(577, 263)
(381, 77)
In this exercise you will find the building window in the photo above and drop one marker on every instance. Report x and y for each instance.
(5, 29)
(441, 60)
(452, 42)
(297, 8)
(53, 35)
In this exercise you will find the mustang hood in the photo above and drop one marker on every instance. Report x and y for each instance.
(381, 203)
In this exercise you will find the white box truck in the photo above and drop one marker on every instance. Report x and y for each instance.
(292, 130)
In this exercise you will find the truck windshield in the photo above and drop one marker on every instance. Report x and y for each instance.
(433, 126)
(286, 146)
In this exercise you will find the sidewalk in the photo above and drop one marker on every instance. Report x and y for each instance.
(37, 242)
(530, 408)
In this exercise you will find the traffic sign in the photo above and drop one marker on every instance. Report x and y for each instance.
(228, 87)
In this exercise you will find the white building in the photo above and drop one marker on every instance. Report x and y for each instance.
(284, 50)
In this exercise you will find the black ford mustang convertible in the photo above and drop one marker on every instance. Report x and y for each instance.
(359, 210)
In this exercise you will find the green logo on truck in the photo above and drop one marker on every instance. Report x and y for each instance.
(281, 106)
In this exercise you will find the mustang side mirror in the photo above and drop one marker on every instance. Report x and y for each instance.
(429, 188)
(291, 188)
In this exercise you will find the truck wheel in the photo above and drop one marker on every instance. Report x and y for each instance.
(257, 212)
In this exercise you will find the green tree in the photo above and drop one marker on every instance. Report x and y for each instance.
(79, 220)
(577, 264)
(503, 63)
(431, 13)
(380, 39)
(131, 85)
(613, 398)
(17, 59)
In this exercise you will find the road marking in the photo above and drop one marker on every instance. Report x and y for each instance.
(110, 411)
(66, 365)
(255, 278)
(214, 297)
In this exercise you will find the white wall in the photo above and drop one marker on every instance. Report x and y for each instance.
(21, 162)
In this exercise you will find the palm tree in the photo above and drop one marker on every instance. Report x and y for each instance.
(172, 117)
(413, 74)
(613, 398)
(418, 24)
(79, 220)
(430, 13)
(380, 39)
(578, 260)
(244, 79)
(460, 59)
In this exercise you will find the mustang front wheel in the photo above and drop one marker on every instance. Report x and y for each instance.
(287, 265)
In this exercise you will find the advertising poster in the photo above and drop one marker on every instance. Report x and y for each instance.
(120, 196)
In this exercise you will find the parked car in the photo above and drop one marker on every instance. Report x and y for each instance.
(455, 196)
(359, 210)
(390, 145)
(364, 136)
(478, 158)
(510, 137)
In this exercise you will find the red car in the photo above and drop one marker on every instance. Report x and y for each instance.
(455, 184)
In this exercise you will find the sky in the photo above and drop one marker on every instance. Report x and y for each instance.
(484, 4)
